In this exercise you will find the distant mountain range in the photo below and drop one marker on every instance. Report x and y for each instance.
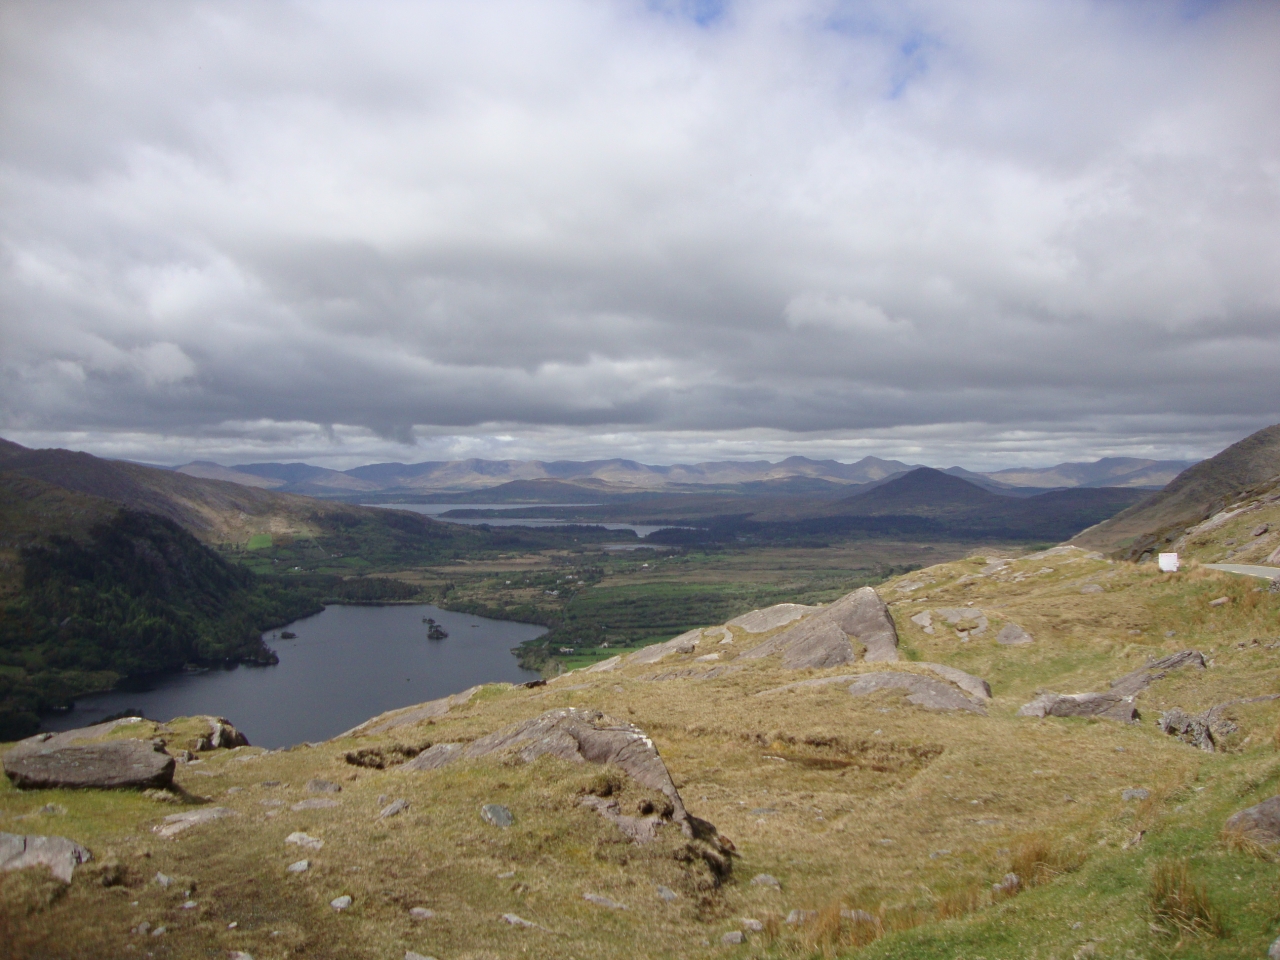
(618, 476)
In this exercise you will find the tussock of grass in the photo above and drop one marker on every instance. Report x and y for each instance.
(1177, 900)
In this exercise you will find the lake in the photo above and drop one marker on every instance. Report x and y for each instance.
(347, 664)
(434, 510)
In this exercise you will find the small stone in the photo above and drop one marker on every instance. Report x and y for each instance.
(667, 894)
(733, 938)
(393, 808)
(272, 803)
(1091, 588)
(323, 786)
(796, 917)
(516, 921)
(175, 823)
(190, 905)
(857, 916)
(299, 866)
(340, 903)
(1171, 633)
(496, 814)
(235, 789)
(766, 880)
(1135, 793)
(233, 924)
(421, 913)
(305, 840)
(1008, 885)
(938, 854)
(1260, 529)
(239, 955)
(752, 925)
(1220, 602)
(602, 901)
(164, 880)
(159, 931)
(143, 928)
(1274, 952)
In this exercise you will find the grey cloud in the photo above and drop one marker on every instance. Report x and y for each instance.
(974, 231)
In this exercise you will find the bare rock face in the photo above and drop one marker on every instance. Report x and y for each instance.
(770, 618)
(685, 643)
(59, 854)
(1260, 823)
(975, 687)
(921, 691)
(222, 736)
(1107, 706)
(45, 761)
(826, 639)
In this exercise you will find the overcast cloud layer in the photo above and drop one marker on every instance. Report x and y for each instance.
(985, 233)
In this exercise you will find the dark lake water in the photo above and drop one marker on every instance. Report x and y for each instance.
(347, 664)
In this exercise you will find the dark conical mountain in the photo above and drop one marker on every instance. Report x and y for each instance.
(921, 492)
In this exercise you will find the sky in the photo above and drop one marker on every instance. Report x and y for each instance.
(990, 233)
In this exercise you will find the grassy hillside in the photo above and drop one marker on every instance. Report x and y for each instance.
(1193, 496)
(865, 804)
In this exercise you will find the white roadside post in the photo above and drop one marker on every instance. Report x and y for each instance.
(1168, 563)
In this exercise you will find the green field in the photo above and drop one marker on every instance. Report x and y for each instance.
(259, 541)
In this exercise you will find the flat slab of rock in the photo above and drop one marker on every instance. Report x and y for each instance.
(974, 686)
(770, 618)
(826, 639)
(1260, 823)
(1137, 680)
(178, 822)
(434, 756)
(687, 642)
(59, 854)
(922, 691)
(1106, 706)
(60, 761)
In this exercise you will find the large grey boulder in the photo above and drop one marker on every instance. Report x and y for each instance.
(1260, 823)
(922, 691)
(975, 687)
(65, 761)
(1106, 706)
(826, 639)
(59, 854)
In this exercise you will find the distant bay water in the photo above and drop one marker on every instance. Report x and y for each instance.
(347, 664)
(435, 510)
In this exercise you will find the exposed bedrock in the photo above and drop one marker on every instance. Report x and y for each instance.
(827, 637)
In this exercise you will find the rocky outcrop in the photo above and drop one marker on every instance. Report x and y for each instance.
(580, 736)
(1117, 703)
(826, 639)
(179, 822)
(1138, 680)
(1107, 706)
(1259, 823)
(1012, 635)
(685, 643)
(922, 691)
(222, 736)
(402, 718)
(59, 854)
(65, 760)
(770, 618)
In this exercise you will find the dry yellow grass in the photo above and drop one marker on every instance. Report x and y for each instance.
(864, 804)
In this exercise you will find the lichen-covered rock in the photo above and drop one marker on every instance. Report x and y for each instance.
(64, 761)
(59, 854)
(1260, 823)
